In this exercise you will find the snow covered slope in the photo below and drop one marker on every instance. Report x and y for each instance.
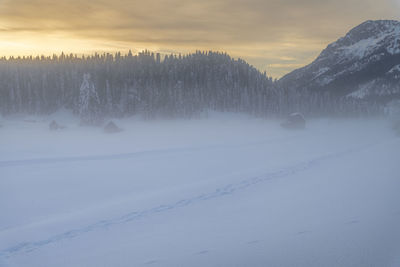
(224, 191)
(363, 64)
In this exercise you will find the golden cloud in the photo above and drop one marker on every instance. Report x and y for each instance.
(278, 35)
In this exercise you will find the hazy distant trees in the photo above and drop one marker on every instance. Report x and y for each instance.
(124, 85)
(312, 103)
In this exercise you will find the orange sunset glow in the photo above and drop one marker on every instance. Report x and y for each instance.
(277, 36)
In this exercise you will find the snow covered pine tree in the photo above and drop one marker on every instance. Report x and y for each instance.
(89, 103)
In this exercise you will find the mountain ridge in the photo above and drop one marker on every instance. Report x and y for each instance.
(365, 63)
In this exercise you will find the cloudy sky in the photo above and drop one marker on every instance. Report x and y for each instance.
(273, 35)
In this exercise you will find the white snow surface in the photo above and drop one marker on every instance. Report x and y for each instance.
(363, 91)
(370, 88)
(367, 46)
(227, 190)
(395, 69)
(321, 71)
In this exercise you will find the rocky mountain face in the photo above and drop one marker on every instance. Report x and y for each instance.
(364, 64)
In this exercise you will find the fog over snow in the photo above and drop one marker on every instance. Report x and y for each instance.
(223, 190)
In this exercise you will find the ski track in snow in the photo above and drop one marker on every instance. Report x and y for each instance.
(138, 154)
(156, 152)
(229, 189)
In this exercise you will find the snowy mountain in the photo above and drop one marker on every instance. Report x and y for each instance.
(363, 64)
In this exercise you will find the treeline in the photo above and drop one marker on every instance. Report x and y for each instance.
(173, 86)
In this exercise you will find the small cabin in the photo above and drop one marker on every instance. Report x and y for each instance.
(111, 127)
(294, 121)
(396, 127)
(53, 126)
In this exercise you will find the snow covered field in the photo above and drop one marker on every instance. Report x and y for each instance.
(228, 190)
